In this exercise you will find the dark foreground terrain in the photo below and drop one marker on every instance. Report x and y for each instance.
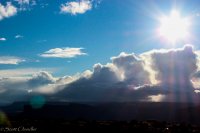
(100, 117)
(83, 126)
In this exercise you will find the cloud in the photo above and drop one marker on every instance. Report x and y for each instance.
(10, 60)
(2, 39)
(76, 7)
(131, 68)
(11, 9)
(25, 4)
(7, 10)
(19, 36)
(195, 79)
(156, 98)
(41, 41)
(115, 81)
(23, 1)
(127, 77)
(22, 72)
(63, 53)
(173, 70)
(41, 78)
(174, 66)
(21, 89)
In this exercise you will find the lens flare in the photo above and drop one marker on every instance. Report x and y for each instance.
(4, 120)
(37, 102)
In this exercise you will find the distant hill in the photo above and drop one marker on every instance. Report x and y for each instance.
(179, 112)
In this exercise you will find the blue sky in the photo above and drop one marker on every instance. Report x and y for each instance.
(105, 30)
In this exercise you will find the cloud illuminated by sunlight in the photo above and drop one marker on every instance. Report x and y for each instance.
(76, 7)
(156, 98)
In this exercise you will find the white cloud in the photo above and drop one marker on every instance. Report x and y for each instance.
(7, 11)
(19, 36)
(156, 98)
(2, 39)
(197, 91)
(25, 4)
(23, 1)
(12, 60)
(63, 53)
(41, 41)
(76, 7)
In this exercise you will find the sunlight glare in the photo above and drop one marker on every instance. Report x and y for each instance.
(174, 27)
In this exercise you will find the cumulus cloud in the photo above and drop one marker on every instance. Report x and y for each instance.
(173, 71)
(76, 7)
(2, 39)
(115, 81)
(41, 78)
(131, 69)
(63, 53)
(7, 10)
(12, 8)
(175, 66)
(127, 77)
(19, 88)
(11, 60)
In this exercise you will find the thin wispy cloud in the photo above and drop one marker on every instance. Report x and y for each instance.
(25, 4)
(2, 39)
(44, 5)
(63, 53)
(11, 60)
(23, 1)
(22, 72)
(7, 10)
(19, 36)
(41, 41)
(76, 7)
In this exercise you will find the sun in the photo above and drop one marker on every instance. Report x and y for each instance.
(174, 27)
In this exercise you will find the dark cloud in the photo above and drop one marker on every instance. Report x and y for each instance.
(18, 89)
(131, 68)
(196, 75)
(125, 78)
(174, 69)
(40, 79)
(82, 91)
(176, 66)
(114, 81)
(103, 74)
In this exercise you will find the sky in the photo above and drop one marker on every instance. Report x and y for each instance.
(61, 49)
